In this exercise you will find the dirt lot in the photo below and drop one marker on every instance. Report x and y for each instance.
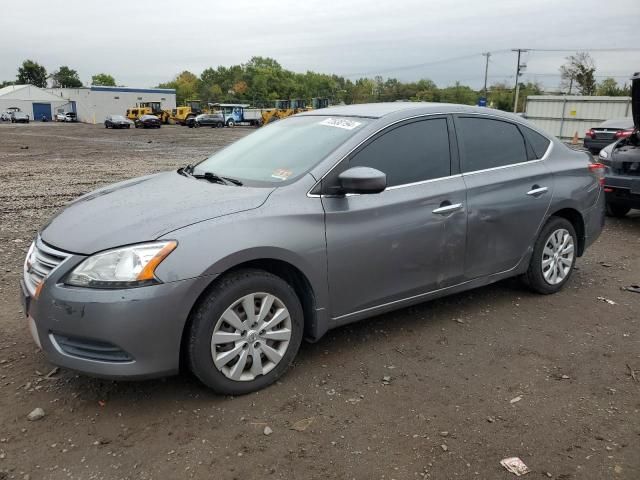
(456, 366)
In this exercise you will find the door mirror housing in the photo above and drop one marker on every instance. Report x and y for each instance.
(362, 180)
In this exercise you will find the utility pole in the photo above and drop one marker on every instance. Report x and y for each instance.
(518, 68)
(486, 71)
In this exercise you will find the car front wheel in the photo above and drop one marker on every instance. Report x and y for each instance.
(245, 333)
(553, 258)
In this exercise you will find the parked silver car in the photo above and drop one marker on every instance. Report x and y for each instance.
(310, 223)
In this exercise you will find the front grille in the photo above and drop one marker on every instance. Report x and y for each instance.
(90, 349)
(39, 263)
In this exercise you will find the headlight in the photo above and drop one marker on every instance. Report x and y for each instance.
(125, 267)
(603, 154)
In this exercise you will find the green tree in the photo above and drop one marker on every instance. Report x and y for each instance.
(6, 83)
(186, 85)
(66, 78)
(32, 73)
(609, 87)
(458, 93)
(579, 71)
(103, 80)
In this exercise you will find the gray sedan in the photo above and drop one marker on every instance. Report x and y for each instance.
(310, 223)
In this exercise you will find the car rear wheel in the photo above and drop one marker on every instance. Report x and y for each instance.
(219, 124)
(245, 333)
(617, 210)
(553, 258)
(231, 123)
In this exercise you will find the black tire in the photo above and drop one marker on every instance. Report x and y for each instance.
(617, 210)
(128, 126)
(106, 126)
(534, 277)
(594, 151)
(231, 123)
(219, 124)
(223, 294)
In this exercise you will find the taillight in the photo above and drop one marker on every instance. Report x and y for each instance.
(590, 133)
(624, 133)
(598, 169)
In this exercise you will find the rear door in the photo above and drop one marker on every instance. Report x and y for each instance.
(407, 240)
(509, 190)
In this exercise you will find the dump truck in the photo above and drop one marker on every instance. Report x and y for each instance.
(238, 114)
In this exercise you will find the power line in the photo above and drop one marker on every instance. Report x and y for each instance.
(493, 52)
(419, 65)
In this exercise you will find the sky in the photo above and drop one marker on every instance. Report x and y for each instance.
(146, 42)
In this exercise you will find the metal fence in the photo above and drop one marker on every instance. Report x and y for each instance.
(564, 115)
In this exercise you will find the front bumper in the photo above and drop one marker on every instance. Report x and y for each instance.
(120, 334)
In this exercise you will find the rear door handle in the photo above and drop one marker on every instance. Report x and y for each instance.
(536, 191)
(447, 209)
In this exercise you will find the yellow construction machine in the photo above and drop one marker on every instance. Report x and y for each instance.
(190, 109)
(148, 108)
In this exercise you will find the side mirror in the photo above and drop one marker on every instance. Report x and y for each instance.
(362, 180)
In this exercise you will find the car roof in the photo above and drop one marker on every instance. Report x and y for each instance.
(379, 110)
(618, 122)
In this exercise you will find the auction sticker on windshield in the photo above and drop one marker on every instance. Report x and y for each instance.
(281, 174)
(340, 123)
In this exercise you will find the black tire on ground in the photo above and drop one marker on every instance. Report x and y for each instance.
(617, 210)
(534, 277)
(222, 294)
(219, 124)
(105, 125)
(128, 126)
(231, 123)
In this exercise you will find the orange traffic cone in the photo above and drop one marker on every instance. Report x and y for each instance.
(574, 140)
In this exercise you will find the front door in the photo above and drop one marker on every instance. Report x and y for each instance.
(508, 193)
(407, 240)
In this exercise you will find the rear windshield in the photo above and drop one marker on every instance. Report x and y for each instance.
(281, 151)
(617, 123)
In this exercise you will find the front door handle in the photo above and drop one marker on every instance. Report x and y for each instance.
(536, 191)
(447, 209)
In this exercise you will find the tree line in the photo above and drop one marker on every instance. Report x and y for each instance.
(262, 80)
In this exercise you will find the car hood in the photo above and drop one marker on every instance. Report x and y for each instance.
(144, 209)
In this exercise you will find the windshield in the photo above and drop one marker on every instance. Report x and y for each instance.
(117, 117)
(282, 151)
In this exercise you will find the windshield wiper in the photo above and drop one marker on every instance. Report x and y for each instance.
(187, 171)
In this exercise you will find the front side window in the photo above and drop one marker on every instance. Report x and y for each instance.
(488, 143)
(282, 151)
(409, 153)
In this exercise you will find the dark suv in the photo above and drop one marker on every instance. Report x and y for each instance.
(622, 160)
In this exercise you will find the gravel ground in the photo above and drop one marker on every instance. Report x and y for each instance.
(441, 390)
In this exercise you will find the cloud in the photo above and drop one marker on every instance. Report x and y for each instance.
(145, 42)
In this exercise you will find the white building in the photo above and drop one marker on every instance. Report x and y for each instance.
(35, 102)
(93, 104)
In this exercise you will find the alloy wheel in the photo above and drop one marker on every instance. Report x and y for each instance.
(557, 256)
(251, 336)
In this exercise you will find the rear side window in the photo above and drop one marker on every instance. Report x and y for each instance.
(409, 153)
(538, 143)
(487, 143)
